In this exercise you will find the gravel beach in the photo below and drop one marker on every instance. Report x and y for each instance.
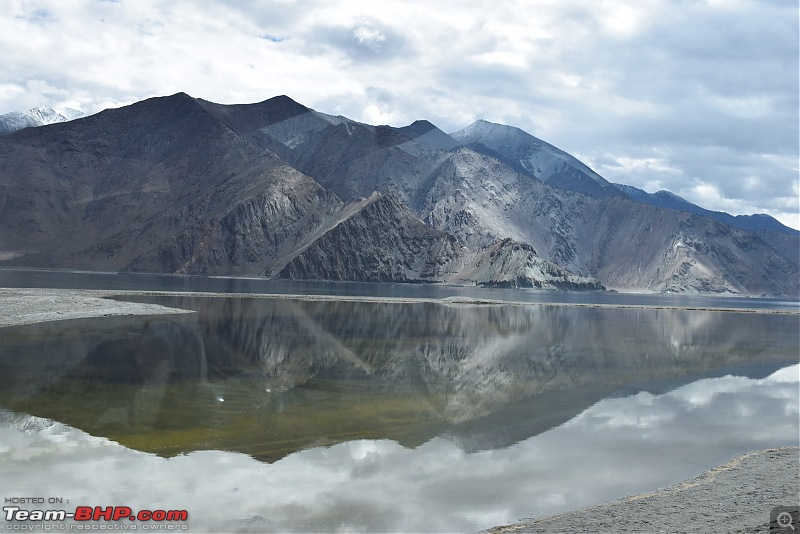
(735, 497)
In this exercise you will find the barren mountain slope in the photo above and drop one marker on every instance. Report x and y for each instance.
(158, 185)
(620, 242)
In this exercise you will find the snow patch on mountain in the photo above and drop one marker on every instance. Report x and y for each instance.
(17, 120)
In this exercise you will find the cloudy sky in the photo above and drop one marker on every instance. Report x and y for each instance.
(699, 97)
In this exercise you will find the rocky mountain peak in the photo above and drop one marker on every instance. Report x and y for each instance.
(428, 134)
(535, 157)
(277, 109)
(481, 130)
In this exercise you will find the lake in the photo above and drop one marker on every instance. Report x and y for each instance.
(318, 414)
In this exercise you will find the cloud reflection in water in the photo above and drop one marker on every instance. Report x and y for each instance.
(617, 447)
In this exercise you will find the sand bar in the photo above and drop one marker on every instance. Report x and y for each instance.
(28, 306)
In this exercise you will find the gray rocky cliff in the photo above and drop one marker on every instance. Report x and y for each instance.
(243, 238)
(513, 264)
(380, 242)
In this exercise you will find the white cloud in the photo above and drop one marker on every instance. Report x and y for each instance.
(369, 37)
(593, 77)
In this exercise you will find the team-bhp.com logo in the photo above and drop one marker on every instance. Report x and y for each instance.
(99, 513)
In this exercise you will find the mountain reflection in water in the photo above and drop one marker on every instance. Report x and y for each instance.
(268, 377)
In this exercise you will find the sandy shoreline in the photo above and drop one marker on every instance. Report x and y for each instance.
(735, 497)
(36, 305)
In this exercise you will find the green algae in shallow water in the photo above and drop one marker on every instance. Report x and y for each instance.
(247, 419)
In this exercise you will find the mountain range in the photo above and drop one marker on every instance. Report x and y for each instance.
(183, 185)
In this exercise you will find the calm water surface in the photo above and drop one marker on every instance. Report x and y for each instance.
(387, 416)
(159, 282)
